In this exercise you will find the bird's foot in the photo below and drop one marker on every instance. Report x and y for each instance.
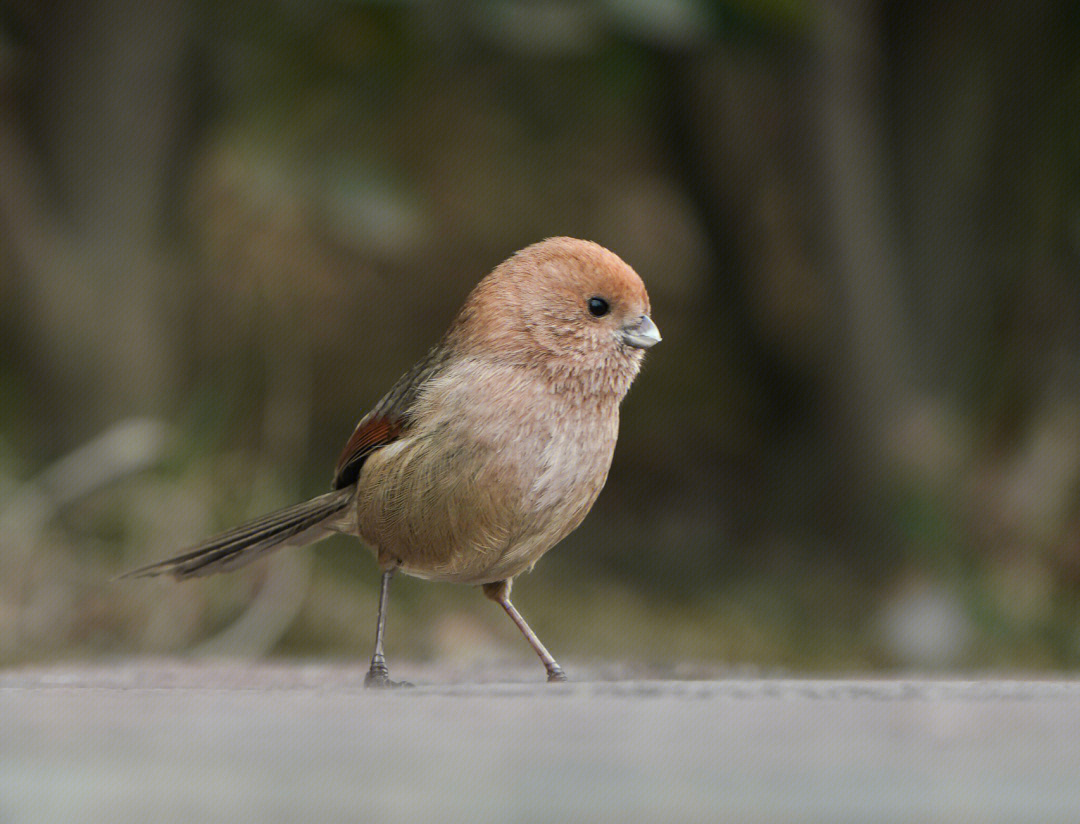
(379, 678)
(556, 675)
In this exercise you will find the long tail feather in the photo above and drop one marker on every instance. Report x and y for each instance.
(241, 545)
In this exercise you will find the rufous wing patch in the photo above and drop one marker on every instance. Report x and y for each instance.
(370, 434)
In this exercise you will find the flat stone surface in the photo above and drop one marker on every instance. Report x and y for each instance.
(170, 741)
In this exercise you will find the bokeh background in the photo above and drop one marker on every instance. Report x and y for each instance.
(227, 227)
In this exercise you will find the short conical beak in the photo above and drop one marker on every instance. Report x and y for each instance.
(642, 334)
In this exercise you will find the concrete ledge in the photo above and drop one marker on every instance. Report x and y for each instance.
(176, 741)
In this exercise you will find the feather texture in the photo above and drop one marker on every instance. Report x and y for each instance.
(388, 420)
(296, 525)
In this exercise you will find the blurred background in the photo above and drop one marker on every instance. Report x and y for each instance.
(227, 228)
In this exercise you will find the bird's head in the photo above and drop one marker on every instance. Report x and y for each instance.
(569, 306)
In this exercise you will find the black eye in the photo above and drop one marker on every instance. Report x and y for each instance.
(598, 307)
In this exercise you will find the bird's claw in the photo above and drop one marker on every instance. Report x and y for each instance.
(380, 679)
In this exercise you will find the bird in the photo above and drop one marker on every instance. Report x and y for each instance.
(490, 450)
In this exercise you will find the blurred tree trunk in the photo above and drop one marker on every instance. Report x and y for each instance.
(810, 305)
(88, 152)
(981, 129)
(846, 85)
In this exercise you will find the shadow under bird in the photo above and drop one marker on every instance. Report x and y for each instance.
(491, 449)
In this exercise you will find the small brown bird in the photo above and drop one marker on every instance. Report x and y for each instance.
(491, 449)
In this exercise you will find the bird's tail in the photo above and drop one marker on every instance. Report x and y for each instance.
(296, 525)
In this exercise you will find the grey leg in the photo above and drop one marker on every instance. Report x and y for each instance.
(378, 675)
(499, 592)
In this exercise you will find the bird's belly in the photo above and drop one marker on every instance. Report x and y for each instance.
(489, 543)
(452, 512)
(472, 567)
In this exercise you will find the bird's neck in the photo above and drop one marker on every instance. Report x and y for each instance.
(603, 380)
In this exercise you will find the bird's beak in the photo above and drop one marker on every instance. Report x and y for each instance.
(641, 335)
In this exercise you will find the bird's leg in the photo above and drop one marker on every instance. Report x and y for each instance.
(378, 675)
(499, 592)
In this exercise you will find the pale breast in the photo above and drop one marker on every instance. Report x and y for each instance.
(483, 485)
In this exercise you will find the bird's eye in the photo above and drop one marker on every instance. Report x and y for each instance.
(598, 307)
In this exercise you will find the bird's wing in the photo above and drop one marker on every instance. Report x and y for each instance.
(388, 420)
